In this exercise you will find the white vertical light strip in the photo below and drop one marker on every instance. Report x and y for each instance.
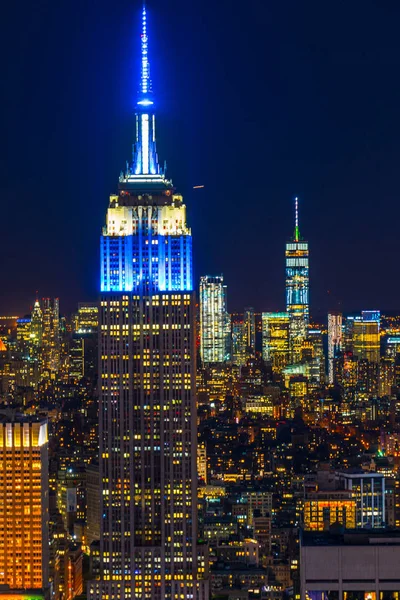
(145, 144)
(154, 128)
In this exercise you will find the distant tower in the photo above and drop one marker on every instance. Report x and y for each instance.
(51, 336)
(36, 328)
(297, 284)
(335, 341)
(214, 320)
(249, 319)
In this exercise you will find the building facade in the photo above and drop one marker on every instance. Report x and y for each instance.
(24, 497)
(275, 339)
(148, 431)
(335, 340)
(297, 288)
(366, 336)
(214, 320)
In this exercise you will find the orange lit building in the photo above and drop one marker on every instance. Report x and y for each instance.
(322, 510)
(23, 504)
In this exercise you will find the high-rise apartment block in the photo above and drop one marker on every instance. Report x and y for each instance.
(148, 428)
(24, 512)
(214, 320)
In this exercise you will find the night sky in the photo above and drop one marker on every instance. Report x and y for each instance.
(259, 101)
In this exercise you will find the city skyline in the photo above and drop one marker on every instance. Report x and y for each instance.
(339, 174)
(162, 444)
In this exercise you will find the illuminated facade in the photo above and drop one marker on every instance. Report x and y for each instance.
(368, 491)
(214, 320)
(297, 288)
(51, 337)
(239, 341)
(366, 336)
(275, 339)
(24, 513)
(249, 319)
(314, 345)
(87, 318)
(335, 337)
(321, 513)
(148, 433)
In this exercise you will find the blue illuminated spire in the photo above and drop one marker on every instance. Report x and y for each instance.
(145, 159)
(145, 81)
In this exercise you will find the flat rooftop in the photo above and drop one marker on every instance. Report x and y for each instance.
(351, 537)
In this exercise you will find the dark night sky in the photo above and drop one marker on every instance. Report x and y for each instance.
(259, 101)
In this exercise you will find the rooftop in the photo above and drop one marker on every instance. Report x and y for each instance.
(352, 537)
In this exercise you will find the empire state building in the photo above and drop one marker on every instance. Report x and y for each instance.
(148, 429)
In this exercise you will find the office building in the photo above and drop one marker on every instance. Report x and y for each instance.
(335, 341)
(312, 351)
(50, 337)
(24, 496)
(386, 376)
(214, 320)
(368, 490)
(86, 320)
(148, 423)
(249, 320)
(366, 336)
(239, 341)
(92, 503)
(275, 339)
(297, 288)
(323, 509)
(344, 565)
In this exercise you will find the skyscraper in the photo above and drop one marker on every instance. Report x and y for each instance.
(275, 336)
(239, 340)
(366, 336)
(297, 283)
(214, 320)
(51, 337)
(148, 431)
(249, 319)
(335, 337)
(24, 497)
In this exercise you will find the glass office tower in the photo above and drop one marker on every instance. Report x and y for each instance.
(215, 326)
(297, 288)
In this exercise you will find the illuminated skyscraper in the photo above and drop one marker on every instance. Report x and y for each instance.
(214, 320)
(314, 347)
(51, 337)
(297, 283)
(24, 497)
(249, 319)
(148, 428)
(335, 337)
(275, 339)
(366, 336)
(239, 340)
(36, 328)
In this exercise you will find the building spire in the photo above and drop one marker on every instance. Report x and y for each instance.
(296, 220)
(144, 156)
(145, 81)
